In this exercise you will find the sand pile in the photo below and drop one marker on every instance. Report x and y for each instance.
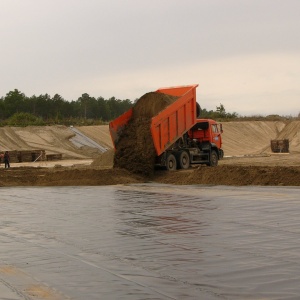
(135, 150)
(105, 159)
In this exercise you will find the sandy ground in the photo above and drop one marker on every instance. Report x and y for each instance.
(250, 138)
(54, 140)
(248, 158)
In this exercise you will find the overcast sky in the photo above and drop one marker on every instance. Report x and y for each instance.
(244, 54)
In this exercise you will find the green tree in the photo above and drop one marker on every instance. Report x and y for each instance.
(2, 113)
(24, 119)
(84, 100)
(13, 102)
(221, 110)
(104, 109)
(56, 109)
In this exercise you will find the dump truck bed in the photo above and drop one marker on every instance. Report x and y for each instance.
(170, 123)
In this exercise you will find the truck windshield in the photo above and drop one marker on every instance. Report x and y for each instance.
(215, 128)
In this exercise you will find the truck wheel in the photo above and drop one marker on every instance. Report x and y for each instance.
(213, 160)
(184, 160)
(221, 153)
(171, 163)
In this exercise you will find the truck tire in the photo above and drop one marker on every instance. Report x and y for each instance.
(213, 160)
(171, 162)
(221, 154)
(184, 161)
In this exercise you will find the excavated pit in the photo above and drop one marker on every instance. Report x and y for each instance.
(135, 149)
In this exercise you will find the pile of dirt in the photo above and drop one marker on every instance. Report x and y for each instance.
(135, 150)
(105, 159)
(66, 176)
(150, 104)
(233, 175)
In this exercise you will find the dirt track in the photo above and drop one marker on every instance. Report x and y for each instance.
(247, 144)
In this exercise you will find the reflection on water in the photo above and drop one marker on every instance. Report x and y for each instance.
(154, 241)
(161, 212)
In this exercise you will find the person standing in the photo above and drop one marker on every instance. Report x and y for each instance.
(6, 159)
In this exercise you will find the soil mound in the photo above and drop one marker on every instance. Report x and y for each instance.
(151, 104)
(233, 175)
(106, 159)
(135, 150)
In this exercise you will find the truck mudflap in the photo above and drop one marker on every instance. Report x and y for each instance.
(161, 160)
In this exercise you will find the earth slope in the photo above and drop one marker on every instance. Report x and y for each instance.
(239, 138)
(248, 160)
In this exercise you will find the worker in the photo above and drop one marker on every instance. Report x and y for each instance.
(6, 159)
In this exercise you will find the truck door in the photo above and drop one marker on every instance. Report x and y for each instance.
(216, 135)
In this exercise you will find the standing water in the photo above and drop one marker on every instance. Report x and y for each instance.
(150, 241)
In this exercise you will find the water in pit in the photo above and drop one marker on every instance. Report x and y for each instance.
(151, 241)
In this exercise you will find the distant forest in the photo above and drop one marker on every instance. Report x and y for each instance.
(16, 109)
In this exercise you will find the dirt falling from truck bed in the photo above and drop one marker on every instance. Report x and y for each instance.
(135, 149)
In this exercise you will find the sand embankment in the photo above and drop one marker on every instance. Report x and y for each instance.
(246, 144)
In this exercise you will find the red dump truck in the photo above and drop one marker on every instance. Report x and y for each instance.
(179, 137)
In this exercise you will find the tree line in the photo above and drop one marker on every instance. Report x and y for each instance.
(16, 108)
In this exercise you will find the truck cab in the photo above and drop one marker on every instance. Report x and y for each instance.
(202, 144)
(207, 131)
